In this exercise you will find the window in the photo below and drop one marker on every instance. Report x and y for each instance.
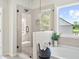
(69, 20)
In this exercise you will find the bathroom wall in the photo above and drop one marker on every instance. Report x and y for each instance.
(40, 37)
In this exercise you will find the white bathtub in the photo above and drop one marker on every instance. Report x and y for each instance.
(66, 52)
(70, 36)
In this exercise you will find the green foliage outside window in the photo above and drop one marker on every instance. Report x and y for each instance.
(76, 27)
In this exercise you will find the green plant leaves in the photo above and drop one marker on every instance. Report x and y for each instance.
(55, 36)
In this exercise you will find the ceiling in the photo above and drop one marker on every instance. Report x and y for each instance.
(36, 3)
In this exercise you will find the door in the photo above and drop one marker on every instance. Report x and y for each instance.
(19, 31)
(24, 33)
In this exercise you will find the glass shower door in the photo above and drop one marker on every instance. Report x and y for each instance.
(26, 34)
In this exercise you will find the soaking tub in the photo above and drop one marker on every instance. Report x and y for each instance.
(66, 52)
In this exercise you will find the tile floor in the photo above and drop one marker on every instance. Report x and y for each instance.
(21, 56)
(17, 57)
(27, 49)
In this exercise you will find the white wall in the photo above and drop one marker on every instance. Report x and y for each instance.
(35, 20)
(1, 3)
(1, 28)
(43, 36)
(36, 3)
(40, 37)
(24, 3)
(1, 31)
(5, 26)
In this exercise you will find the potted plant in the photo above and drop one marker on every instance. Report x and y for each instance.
(55, 38)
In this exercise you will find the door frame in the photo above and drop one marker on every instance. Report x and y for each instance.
(1, 30)
(21, 11)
